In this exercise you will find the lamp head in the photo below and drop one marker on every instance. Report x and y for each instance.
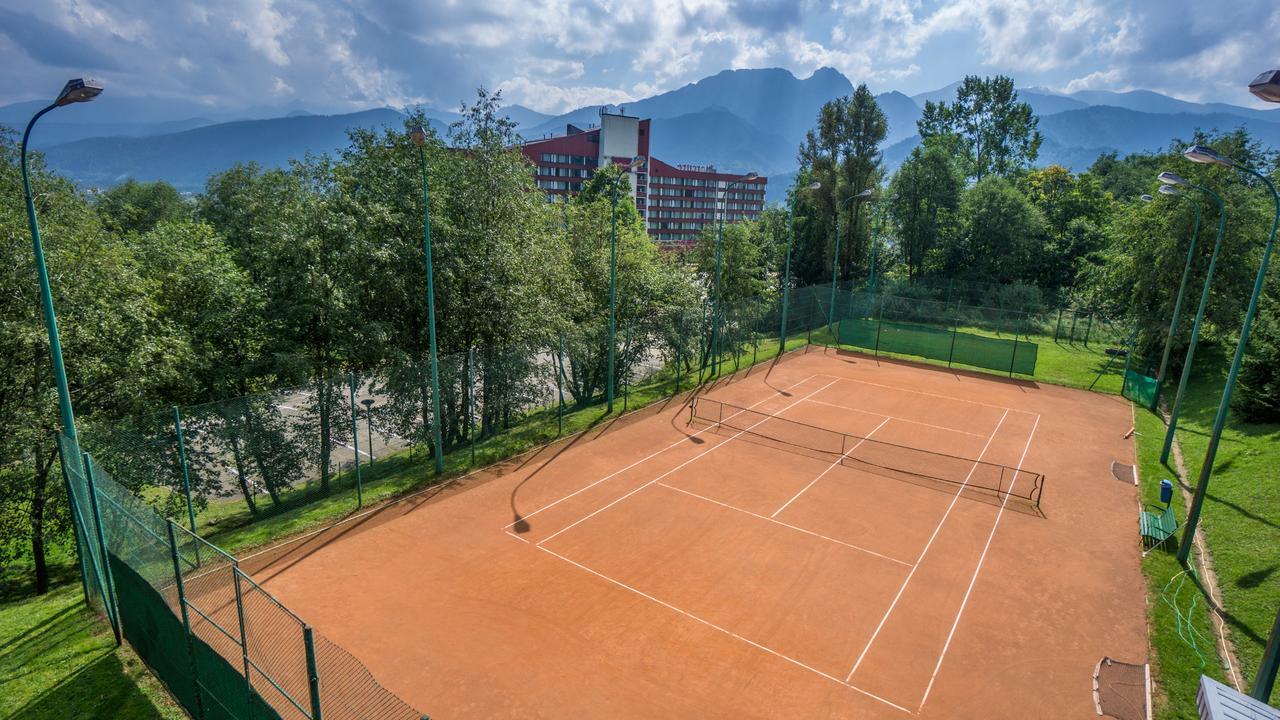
(751, 175)
(815, 185)
(1267, 86)
(1206, 155)
(636, 162)
(78, 90)
(418, 135)
(1170, 190)
(1145, 197)
(1169, 178)
(864, 194)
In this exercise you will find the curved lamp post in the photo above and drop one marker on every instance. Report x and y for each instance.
(835, 260)
(419, 137)
(716, 315)
(1267, 87)
(636, 162)
(1202, 154)
(1172, 185)
(786, 282)
(75, 91)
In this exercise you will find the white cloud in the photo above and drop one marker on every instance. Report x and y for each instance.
(549, 98)
(556, 54)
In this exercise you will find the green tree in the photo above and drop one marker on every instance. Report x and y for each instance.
(1075, 209)
(116, 351)
(998, 237)
(923, 198)
(842, 151)
(1257, 397)
(136, 207)
(987, 125)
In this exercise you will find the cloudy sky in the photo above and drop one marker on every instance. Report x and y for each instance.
(554, 55)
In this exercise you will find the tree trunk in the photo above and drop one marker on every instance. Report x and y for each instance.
(39, 500)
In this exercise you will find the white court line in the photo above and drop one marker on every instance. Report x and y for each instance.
(526, 542)
(913, 422)
(686, 462)
(786, 525)
(643, 459)
(730, 633)
(978, 569)
(350, 447)
(927, 545)
(824, 472)
(922, 392)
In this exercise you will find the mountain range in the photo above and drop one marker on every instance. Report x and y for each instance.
(736, 120)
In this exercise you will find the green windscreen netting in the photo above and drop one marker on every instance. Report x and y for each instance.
(1140, 388)
(955, 334)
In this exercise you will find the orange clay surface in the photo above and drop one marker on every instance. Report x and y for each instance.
(662, 569)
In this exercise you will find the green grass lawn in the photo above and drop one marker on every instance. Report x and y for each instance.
(1176, 664)
(58, 661)
(1241, 515)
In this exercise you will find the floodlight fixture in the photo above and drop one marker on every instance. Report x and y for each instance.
(78, 90)
(1170, 190)
(1145, 197)
(1169, 178)
(1206, 155)
(1266, 87)
(815, 185)
(418, 135)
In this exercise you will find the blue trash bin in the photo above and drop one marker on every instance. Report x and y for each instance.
(1166, 491)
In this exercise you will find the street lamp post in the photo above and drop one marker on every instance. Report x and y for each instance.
(1201, 154)
(786, 282)
(835, 261)
(75, 91)
(1182, 287)
(717, 311)
(1267, 87)
(1171, 186)
(636, 162)
(419, 137)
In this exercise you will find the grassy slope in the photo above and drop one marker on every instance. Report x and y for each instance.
(1241, 515)
(1176, 665)
(60, 662)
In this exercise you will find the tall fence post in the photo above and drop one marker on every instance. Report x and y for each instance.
(955, 330)
(1087, 329)
(560, 384)
(109, 598)
(186, 472)
(1013, 356)
(1058, 326)
(471, 401)
(76, 527)
(1075, 315)
(244, 639)
(186, 618)
(355, 438)
(313, 675)
(879, 325)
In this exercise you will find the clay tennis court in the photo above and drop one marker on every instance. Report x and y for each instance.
(705, 560)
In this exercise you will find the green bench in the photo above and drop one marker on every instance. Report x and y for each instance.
(1156, 524)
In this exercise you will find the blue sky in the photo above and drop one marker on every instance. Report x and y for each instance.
(554, 55)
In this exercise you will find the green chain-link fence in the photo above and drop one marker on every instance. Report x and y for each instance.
(225, 648)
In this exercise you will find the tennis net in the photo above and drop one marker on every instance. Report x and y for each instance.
(973, 477)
